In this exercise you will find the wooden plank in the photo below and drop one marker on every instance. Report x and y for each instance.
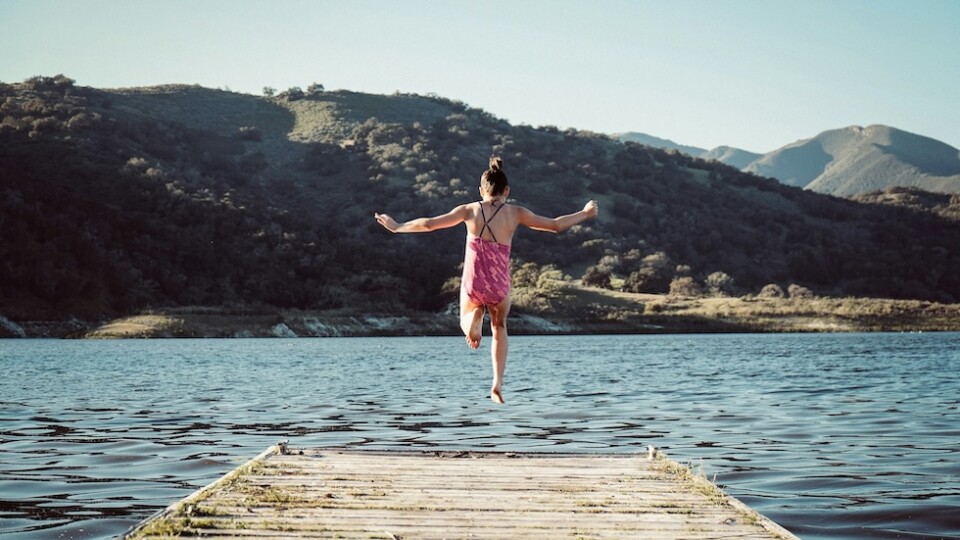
(338, 493)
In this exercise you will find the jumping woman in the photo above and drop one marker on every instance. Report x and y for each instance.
(485, 285)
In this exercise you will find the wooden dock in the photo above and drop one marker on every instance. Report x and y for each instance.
(339, 493)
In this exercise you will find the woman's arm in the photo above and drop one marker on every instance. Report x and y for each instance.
(557, 224)
(450, 219)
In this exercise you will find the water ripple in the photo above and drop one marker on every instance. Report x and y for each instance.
(833, 436)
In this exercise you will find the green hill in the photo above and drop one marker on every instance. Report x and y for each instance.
(113, 201)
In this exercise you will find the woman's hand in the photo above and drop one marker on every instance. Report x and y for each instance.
(388, 222)
(591, 209)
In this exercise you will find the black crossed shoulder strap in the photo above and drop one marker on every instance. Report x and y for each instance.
(486, 222)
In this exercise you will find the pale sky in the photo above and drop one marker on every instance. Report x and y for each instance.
(754, 74)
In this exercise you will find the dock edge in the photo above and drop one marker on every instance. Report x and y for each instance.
(683, 472)
(279, 448)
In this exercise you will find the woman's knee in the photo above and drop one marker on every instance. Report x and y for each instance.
(498, 319)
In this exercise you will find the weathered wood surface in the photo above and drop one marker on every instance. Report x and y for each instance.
(335, 493)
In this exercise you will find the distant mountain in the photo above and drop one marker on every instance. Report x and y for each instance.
(729, 155)
(856, 160)
(657, 142)
(842, 162)
(734, 157)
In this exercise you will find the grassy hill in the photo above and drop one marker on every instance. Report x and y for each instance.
(113, 202)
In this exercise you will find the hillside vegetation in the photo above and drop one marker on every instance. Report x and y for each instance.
(115, 201)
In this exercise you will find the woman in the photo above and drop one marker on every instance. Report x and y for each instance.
(485, 285)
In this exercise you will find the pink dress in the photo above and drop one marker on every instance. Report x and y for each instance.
(486, 267)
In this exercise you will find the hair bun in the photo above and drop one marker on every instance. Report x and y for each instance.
(496, 164)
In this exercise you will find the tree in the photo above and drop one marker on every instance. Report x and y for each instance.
(771, 290)
(525, 275)
(292, 94)
(269, 91)
(797, 291)
(58, 83)
(719, 284)
(653, 276)
(684, 286)
(314, 88)
(597, 276)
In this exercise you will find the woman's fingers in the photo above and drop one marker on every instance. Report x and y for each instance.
(591, 208)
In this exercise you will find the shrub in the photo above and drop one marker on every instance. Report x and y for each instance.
(655, 307)
(654, 275)
(46, 124)
(82, 120)
(771, 290)
(796, 291)
(719, 283)
(58, 83)
(684, 286)
(597, 276)
(292, 94)
(548, 277)
(525, 275)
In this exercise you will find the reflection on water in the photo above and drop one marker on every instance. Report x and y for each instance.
(833, 436)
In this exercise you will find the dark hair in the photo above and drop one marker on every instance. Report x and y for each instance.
(493, 180)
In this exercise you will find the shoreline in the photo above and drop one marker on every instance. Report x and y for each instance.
(572, 314)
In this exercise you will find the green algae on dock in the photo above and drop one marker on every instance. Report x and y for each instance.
(338, 493)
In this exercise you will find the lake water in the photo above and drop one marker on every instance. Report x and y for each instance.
(834, 436)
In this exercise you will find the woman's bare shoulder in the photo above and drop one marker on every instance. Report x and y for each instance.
(519, 210)
(464, 209)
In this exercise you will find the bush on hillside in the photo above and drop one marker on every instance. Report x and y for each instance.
(684, 286)
(293, 93)
(597, 276)
(796, 291)
(654, 275)
(771, 290)
(719, 284)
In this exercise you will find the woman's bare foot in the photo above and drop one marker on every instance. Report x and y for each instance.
(496, 396)
(474, 333)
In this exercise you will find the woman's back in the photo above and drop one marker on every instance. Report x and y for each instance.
(492, 220)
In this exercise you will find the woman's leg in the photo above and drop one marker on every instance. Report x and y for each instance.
(498, 352)
(471, 320)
